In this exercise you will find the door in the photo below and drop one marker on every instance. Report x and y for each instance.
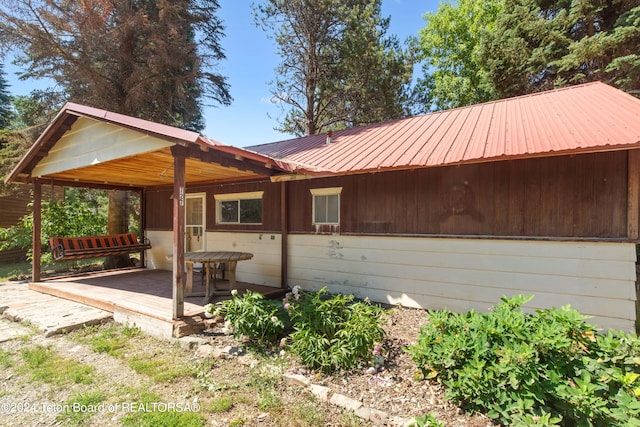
(194, 223)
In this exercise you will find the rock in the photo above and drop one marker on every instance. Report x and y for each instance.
(321, 392)
(297, 379)
(204, 350)
(345, 402)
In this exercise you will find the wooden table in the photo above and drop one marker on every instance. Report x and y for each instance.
(229, 258)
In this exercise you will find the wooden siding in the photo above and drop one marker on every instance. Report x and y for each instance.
(262, 269)
(460, 274)
(159, 213)
(583, 196)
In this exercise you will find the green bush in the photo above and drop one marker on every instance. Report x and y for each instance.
(324, 331)
(253, 316)
(545, 368)
(333, 332)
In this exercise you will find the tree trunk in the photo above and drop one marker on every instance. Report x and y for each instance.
(118, 222)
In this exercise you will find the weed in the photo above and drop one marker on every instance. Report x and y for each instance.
(159, 369)
(237, 422)
(45, 365)
(148, 417)
(5, 358)
(308, 414)
(220, 404)
(81, 408)
(110, 339)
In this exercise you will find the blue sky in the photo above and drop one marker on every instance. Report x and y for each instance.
(251, 60)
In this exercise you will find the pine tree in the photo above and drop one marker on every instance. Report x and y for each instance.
(338, 68)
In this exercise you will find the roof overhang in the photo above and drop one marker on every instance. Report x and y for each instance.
(93, 147)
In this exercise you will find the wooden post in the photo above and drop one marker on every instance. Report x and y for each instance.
(284, 234)
(143, 224)
(179, 154)
(633, 195)
(37, 230)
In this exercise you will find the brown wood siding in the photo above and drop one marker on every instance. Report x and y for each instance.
(580, 196)
(12, 208)
(159, 213)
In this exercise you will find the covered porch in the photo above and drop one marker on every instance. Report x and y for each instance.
(93, 148)
(141, 296)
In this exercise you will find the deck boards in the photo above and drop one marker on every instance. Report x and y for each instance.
(147, 292)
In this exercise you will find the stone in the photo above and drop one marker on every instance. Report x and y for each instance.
(321, 392)
(345, 402)
(204, 350)
(297, 379)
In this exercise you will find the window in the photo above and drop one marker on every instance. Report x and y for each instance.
(326, 205)
(239, 208)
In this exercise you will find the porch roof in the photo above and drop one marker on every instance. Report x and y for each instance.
(85, 145)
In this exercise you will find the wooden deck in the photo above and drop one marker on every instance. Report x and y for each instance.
(139, 296)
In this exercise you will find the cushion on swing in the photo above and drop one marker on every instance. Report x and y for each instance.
(69, 248)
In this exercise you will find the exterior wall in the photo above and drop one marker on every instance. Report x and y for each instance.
(262, 269)
(598, 279)
(582, 196)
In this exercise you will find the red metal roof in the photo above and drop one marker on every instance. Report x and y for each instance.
(584, 118)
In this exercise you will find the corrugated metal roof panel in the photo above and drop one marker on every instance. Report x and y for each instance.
(589, 117)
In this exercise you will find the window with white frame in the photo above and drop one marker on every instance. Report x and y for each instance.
(239, 208)
(326, 205)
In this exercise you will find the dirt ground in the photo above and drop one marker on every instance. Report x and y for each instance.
(253, 384)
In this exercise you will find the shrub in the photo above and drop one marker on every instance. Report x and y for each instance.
(525, 369)
(334, 332)
(327, 332)
(252, 315)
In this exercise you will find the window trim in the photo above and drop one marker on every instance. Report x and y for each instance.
(327, 191)
(227, 197)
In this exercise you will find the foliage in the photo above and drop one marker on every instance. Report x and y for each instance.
(13, 145)
(72, 416)
(6, 113)
(252, 315)
(454, 75)
(333, 332)
(338, 69)
(428, 420)
(157, 418)
(325, 332)
(541, 45)
(74, 216)
(545, 368)
(153, 60)
(44, 364)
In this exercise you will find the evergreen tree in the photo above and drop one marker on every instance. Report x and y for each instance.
(541, 44)
(149, 59)
(6, 112)
(338, 69)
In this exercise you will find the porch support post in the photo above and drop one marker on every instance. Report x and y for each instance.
(179, 154)
(37, 229)
(284, 234)
(633, 195)
(143, 224)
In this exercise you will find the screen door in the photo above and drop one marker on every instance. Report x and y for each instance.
(194, 223)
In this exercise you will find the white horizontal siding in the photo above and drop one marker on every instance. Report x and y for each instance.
(459, 274)
(262, 269)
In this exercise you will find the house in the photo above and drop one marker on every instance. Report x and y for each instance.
(538, 194)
